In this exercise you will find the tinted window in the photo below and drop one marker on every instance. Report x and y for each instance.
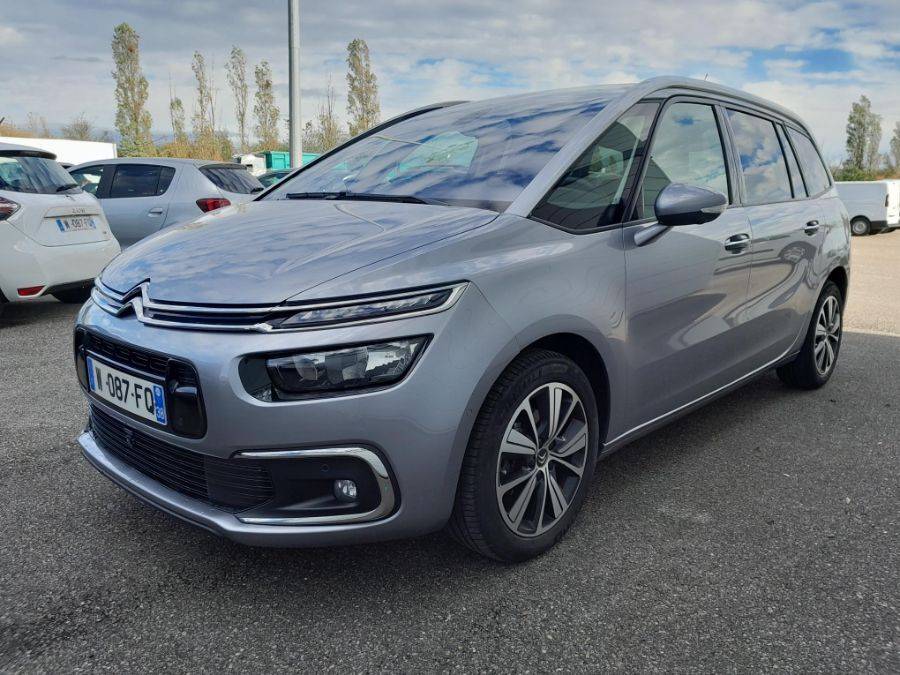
(140, 180)
(814, 172)
(593, 192)
(762, 162)
(686, 148)
(88, 178)
(21, 173)
(793, 167)
(236, 179)
(475, 154)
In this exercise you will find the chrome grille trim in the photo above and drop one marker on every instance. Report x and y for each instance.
(247, 318)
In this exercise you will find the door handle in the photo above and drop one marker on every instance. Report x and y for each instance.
(737, 243)
(811, 227)
(155, 211)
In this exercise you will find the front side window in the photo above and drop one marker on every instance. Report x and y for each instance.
(140, 180)
(814, 171)
(593, 192)
(34, 174)
(762, 161)
(480, 154)
(89, 178)
(686, 148)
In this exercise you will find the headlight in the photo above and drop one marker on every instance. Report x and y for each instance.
(357, 367)
(394, 306)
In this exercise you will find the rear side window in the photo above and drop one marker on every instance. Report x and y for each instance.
(762, 161)
(140, 180)
(686, 148)
(793, 167)
(814, 172)
(236, 179)
(593, 192)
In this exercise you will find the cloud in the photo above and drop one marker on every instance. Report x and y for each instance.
(10, 36)
(446, 49)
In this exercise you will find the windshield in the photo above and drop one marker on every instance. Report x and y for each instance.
(39, 175)
(475, 154)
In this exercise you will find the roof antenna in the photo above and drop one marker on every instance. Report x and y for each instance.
(706, 77)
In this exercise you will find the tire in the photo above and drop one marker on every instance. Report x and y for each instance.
(75, 295)
(806, 372)
(860, 227)
(485, 521)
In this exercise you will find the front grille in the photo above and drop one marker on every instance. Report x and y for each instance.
(129, 356)
(231, 484)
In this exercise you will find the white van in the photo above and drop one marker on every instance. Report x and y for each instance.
(874, 206)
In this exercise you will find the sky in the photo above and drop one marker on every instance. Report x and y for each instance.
(813, 57)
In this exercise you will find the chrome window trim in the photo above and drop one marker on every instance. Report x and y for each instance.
(382, 478)
(138, 299)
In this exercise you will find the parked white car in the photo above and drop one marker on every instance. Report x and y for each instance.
(874, 206)
(143, 195)
(54, 238)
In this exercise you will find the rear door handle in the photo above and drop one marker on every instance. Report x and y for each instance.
(737, 242)
(155, 211)
(811, 227)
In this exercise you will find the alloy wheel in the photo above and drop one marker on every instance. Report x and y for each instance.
(542, 459)
(828, 335)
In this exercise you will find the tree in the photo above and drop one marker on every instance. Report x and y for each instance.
(204, 118)
(264, 108)
(236, 70)
(325, 132)
(895, 147)
(863, 137)
(81, 129)
(37, 125)
(362, 89)
(132, 119)
(176, 114)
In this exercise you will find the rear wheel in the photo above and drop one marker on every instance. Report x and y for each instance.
(860, 227)
(817, 359)
(529, 461)
(74, 295)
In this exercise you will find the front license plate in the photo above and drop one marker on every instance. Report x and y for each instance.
(136, 395)
(75, 224)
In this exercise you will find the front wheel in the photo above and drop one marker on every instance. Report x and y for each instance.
(818, 357)
(530, 459)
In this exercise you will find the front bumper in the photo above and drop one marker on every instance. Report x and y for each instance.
(420, 426)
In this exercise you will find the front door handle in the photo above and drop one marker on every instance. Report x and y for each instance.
(737, 243)
(811, 227)
(155, 211)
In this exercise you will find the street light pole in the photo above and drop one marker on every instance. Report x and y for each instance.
(294, 127)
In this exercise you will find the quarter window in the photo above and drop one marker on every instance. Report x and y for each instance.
(593, 192)
(140, 180)
(814, 172)
(793, 167)
(762, 161)
(686, 148)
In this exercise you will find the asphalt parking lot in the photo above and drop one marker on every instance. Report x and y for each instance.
(762, 532)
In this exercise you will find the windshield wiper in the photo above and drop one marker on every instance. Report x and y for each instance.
(364, 196)
(68, 186)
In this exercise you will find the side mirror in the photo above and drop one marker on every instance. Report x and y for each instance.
(680, 204)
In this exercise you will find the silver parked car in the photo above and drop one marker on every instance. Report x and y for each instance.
(452, 317)
(143, 195)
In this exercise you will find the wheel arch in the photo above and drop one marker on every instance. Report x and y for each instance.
(840, 277)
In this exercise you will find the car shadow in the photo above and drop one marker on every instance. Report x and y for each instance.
(32, 313)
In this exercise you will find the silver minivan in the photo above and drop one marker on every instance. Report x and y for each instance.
(448, 320)
(142, 195)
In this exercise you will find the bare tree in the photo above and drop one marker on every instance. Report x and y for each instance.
(236, 70)
(362, 88)
(81, 129)
(325, 132)
(895, 147)
(264, 108)
(203, 120)
(132, 119)
(37, 125)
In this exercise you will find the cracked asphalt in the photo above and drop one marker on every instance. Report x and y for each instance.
(760, 533)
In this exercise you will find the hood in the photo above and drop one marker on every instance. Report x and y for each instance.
(267, 251)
